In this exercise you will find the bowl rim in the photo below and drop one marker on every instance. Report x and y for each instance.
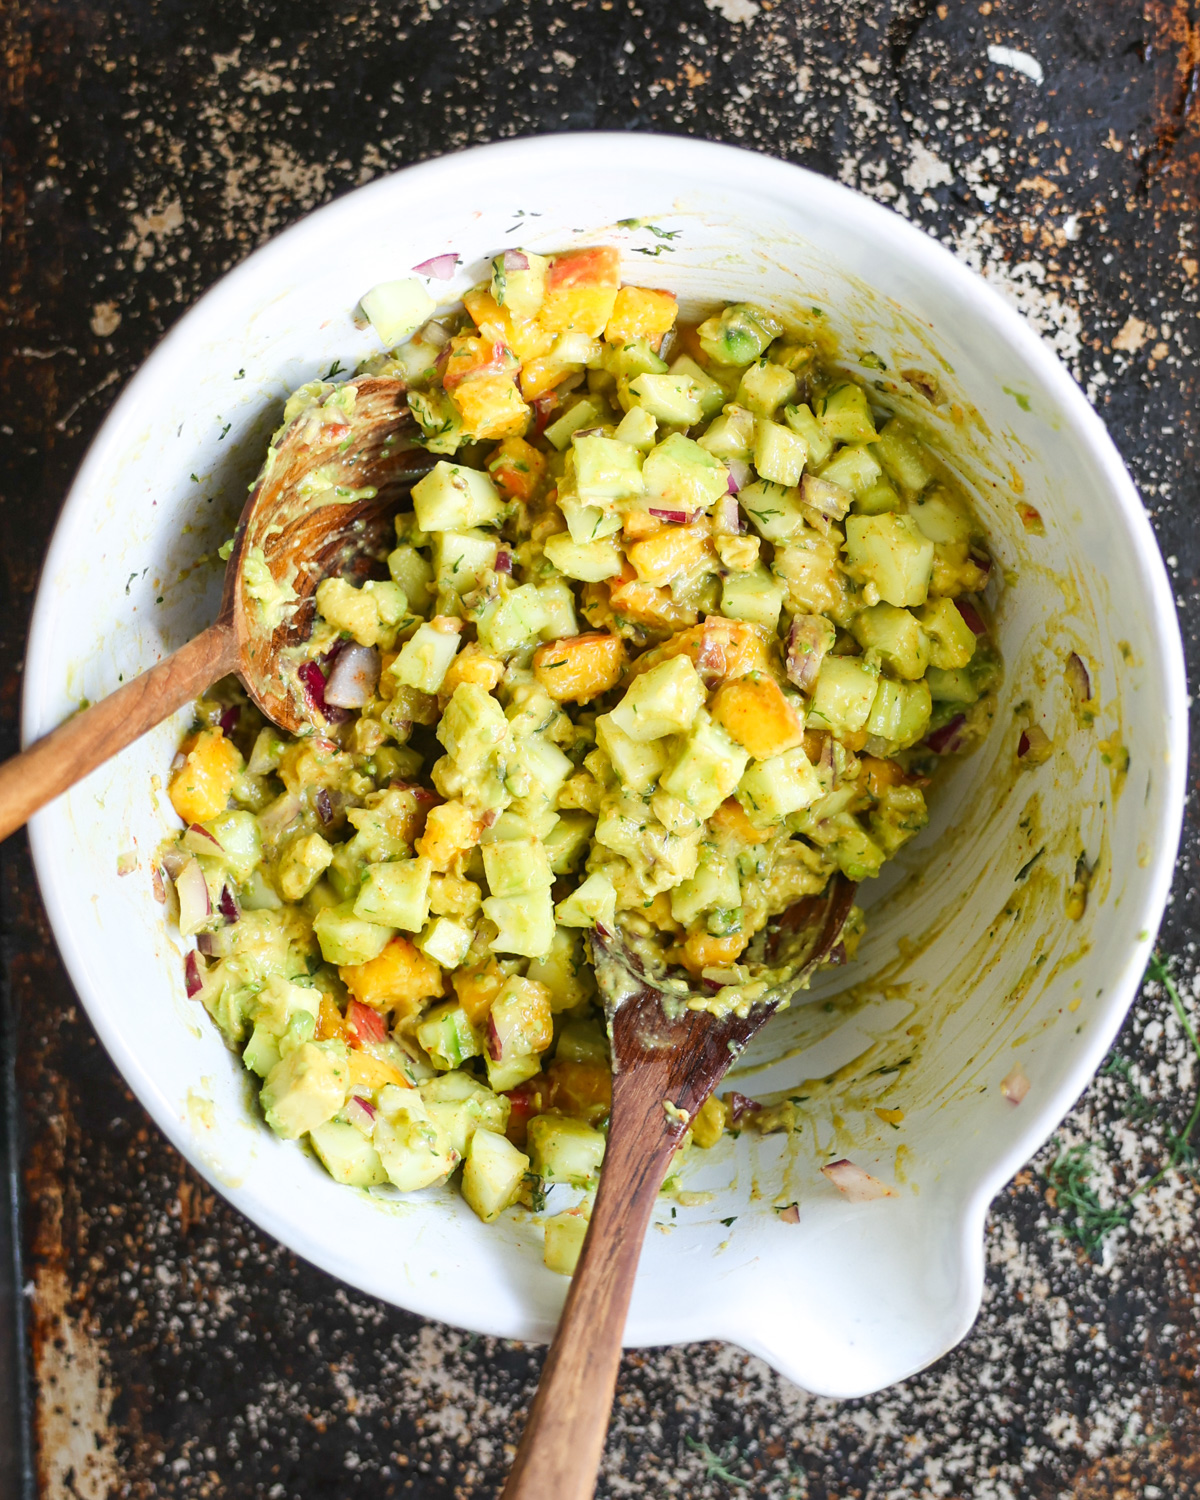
(772, 178)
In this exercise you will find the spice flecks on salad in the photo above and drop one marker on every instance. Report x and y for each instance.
(678, 625)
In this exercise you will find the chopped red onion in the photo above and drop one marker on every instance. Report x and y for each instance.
(790, 1214)
(195, 907)
(602, 932)
(542, 409)
(740, 475)
(675, 517)
(858, 1186)
(1014, 1086)
(360, 1112)
(199, 834)
(971, 615)
(503, 561)
(228, 905)
(727, 516)
(439, 267)
(1077, 679)
(516, 260)
(836, 956)
(229, 719)
(710, 658)
(193, 976)
(945, 741)
(495, 1046)
(1023, 745)
(354, 677)
(324, 806)
(740, 1105)
(666, 344)
(173, 861)
(366, 1025)
(312, 679)
(825, 497)
(809, 640)
(206, 943)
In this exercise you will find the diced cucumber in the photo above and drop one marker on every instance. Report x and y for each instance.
(589, 562)
(459, 1104)
(347, 1155)
(239, 839)
(567, 842)
(890, 552)
(513, 866)
(627, 361)
(774, 509)
(955, 685)
(346, 938)
(595, 901)
(446, 1033)
(942, 516)
(665, 700)
(638, 763)
(511, 620)
(492, 1174)
(671, 399)
(779, 453)
(396, 309)
(951, 639)
(438, 418)
(414, 574)
(707, 768)
(306, 1088)
(425, 658)
(396, 894)
(855, 469)
(526, 923)
(565, 1234)
(904, 456)
(302, 862)
(509, 1072)
(755, 596)
(847, 417)
(765, 387)
(261, 1052)
(802, 420)
(413, 1151)
(714, 886)
(463, 559)
(446, 942)
(893, 638)
(845, 692)
(637, 428)
(564, 971)
(565, 1150)
(472, 726)
(738, 334)
(588, 411)
(681, 474)
(607, 470)
(857, 854)
(452, 497)
(771, 789)
(558, 602)
(545, 762)
(521, 291)
(588, 523)
(900, 712)
(877, 499)
(711, 395)
(731, 435)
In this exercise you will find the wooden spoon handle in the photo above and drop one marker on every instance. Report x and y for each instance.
(564, 1436)
(85, 741)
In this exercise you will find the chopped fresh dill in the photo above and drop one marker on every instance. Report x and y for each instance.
(1069, 1174)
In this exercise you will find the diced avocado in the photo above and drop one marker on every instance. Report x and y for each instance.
(765, 387)
(738, 334)
(715, 885)
(890, 552)
(731, 435)
(463, 559)
(680, 473)
(900, 712)
(904, 457)
(564, 971)
(792, 356)
(452, 497)
(510, 620)
(606, 469)
(595, 901)
(438, 418)
(414, 574)
(662, 701)
(707, 768)
(847, 417)
(446, 1033)
(637, 428)
(670, 399)
(638, 763)
(396, 894)
(302, 862)
(425, 657)
(446, 941)
(588, 411)
(565, 1150)
(711, 395)
(801, 420)
(545, 762)
(845, 692)
(627, 361)
(771, 789)
(567, 842)
(521, 289)
(857, 854)
(855, 469)
(589, 562)
(472, 726)
(346, 938)
(237, 834)
(492, 1174)
(779, 453)
(893, 638)
(755, 596)
(565, 1234)
(898, 816)
(414, 1153)
(396, 309)
(261, 1052)
(773, 508)
(526, 923)
(582, 1039)
(942, 516)
(514, 866)
(347, 1155)
(348, 609)
(459, 1104)
(306, 1088)
(951, 639)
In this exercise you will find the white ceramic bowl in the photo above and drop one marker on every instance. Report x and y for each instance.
(854, 1296)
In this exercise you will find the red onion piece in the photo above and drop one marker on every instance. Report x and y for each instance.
(503, 561)
(229, 719)
(360, 1112)
(727, 516)
(1014, 1086)
(495, 1046)
(1023, 745)
(324, 806)
(199, 834)
(945, 741)
(1077, 679)
(516, 260)
(790, 1214)
(206, 943)
(195, 907)
(366, 1025)
(858, 1186)
(173, 861)
(836, 956)
(312, 679)
(809, 640)
(542, 409)
(971, 615)
(740, 474)
(675, 517)
(354, 677)
(740, 1105)
(228, 905)
(710, 658)
(439, 267)
(602, 932)
(193, 976)
(825, 497)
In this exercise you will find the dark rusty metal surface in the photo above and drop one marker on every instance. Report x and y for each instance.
(149, 145)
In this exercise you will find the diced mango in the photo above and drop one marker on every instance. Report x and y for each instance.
(477, 989)
(491, 407)
(472, 664)
(472, 357)
(538, 376)
(580, 668)
(399, 979)
(517, 468)
(581, 290)
(881, 774)
(370, 1072)
(331, 1024)
(702, 951)
(581, 1089)
(200, 788)
(524, 336)
(730, 819)
(450, 830)
(647, 605)
(637, 524)
(669, 554)
(758, 716)
(640, 313)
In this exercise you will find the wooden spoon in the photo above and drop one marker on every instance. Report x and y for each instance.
(334, 476)
(667, 1059)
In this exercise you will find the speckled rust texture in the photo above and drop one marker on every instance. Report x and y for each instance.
(149, 145)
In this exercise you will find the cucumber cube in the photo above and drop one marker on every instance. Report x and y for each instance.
(565, 1150)
(774, 508)
(413, 1152)
(514, 866)
(446, 1033)
(589, 562)
(665, 700)
(261, 1052)
(845, 692)
(463, 559)
(472, 726)
(521, 292)
(779, 453)
(565, 1234)
(637, 428)
(439, 420)
(755, 596)
(588, 523)
(894, 639)
(454, 498)
(396, 309)
(802, 421)
(627, 361)
(847, 417)
(606, 469)
(771, 789)
(765, 387)
(638, 764)
(904, 457)
(459, 1104)
(492, 1174)
(396, 894)
(900, 712)
(347, 1155)
(588, 411)
(425, 658)
(854, 469)
(307, 1088)
(707, 769)
(731, 435)
(951, 639)
(671, 399)
(240, 841)
(680, 474)
(545, 762)
(710, 394)
(303, 861)
(559, 604)
(346, 938)
(565, 972)
(414, 574)
(567, 842)
(512, 1071)
(590, 904)
(953, 686)
(511, 620)
(890, 552)
(942, 517)
(446, 942)
(526, 923)
(714, 887)
(876, 500)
